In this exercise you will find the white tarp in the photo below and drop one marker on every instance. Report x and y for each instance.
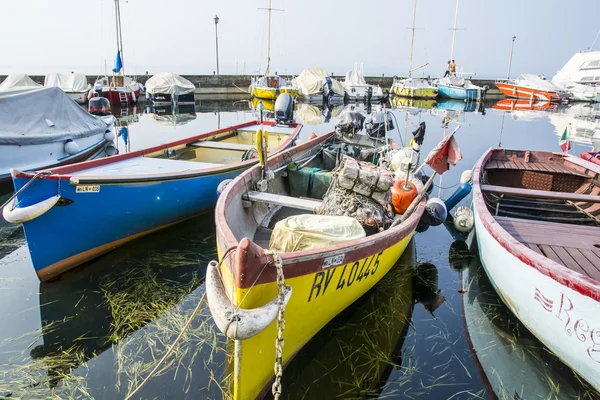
(535, 82)
(17, 82)
(308, 231)
(73, 83)
(168, 83)
(44, 115)
(355, 77)
(310, 81)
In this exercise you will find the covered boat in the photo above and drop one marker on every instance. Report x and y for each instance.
(454, 87)
(76, 86)
(276, 254)
(538, 232)
(357, 88)
(18, 82)
(315, 85)
(167, 88)
(42, 128)
(153, 187)
(532, 87)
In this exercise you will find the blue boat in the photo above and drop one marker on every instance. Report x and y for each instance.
(459, 88)
(75, 213)
(458, 105)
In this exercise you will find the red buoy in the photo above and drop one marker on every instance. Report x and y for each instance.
(403, 194)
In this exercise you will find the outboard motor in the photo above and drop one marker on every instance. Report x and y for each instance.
(369, 95)
(284, 109)
(99, 106)
(327, 88)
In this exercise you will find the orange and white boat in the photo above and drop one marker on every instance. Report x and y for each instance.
(523, 105)
(532, 87)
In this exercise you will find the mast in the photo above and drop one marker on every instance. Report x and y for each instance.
(119, 34)
(412, 40)
(454, 31)
(268, 39)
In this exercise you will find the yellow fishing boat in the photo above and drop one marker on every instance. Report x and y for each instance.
(259, 297)
(270, 86)
(403, 102)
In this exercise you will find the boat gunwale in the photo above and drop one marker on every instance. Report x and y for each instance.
(360, 248)
(69, 171)
(582, 284)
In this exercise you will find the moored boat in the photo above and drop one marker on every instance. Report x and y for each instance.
(167, 88)
(532, 87)
(18, 82)
(459, 88)
(591, 157)
(537, 225)
(76, 86)
(315, 86)
(152, 188)
(357, 88)
(321, 279)
(523, 105)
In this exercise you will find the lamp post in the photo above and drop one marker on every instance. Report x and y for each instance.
(511, 54)
(217, 41)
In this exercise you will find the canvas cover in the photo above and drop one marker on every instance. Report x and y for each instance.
(18, 82)
(26, 117)
(308, 231)
(73, 83)
(535, 82)
(310, 81)
(168, 83)
(355, 77)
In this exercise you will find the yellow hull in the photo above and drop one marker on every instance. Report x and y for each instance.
(269, 105)
(268, 93)
(316, 299)
(400, 102)
(420, 93)
(293, 92)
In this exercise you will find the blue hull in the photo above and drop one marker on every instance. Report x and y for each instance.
(457, 105)
(455, 92)
(97, 222)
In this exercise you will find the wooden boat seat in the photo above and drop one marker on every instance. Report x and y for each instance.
(285, 201)
(547, 167)
(222, 145)
(542, 194)
(577, 247)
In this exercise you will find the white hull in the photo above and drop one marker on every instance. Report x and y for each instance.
(40, 156)
(359, 92)
(565, 320)
(79, 97)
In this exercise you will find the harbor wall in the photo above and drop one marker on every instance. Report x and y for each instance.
(238, 84)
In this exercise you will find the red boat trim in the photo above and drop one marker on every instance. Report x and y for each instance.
(67, 172)
(582, 284)
(247, 264)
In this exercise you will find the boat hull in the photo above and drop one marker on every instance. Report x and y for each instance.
(526, 93)
(268, 93)
(591, 157)
(79, 97)
(419, 93)
(454, 92)
(115, 97)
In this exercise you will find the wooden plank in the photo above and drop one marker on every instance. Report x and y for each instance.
(593, 258)
(492, 165)
(547, 250)
(534, 247)
(554, 226)
(285, 201)
(521, 165)
(222, 145)
(540, 193)
(592, 270)
(567, 260)
(533, 166)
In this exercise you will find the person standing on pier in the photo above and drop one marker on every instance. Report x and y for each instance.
(447, 69)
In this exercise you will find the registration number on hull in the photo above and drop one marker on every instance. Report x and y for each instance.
(87, 189)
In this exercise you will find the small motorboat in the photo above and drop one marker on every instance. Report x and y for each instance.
(152, 188)
(118, 89)
(167, 88)
(523, 105)
(268, 87)
(18, 82)
(538, 233)
(357, 88)
(43, 128)
(416, 88)
(323, 273)
(533, 88)
(454, 87)
(76, 86)
(316, 86)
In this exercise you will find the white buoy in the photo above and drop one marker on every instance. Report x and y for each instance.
(466, 176)
(463, 219)
(109, 135)
(71, 148)
(222, 186)
(111, 150)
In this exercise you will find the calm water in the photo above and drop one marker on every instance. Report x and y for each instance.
(100, 329)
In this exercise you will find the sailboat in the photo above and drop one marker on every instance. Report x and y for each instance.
(455, 87)
(270, 86)
(413, 87)
(118, 89)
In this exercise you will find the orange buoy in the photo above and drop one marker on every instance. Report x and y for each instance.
(403, 195)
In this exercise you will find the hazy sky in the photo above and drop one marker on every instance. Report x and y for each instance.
(40, 36)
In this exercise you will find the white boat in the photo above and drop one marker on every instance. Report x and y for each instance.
(357, 88)
(76, 86)
(42, 128)
(536, 220)
(316, 86)
(18, 82)
(580, 75)
(168, 88)
(582, 122)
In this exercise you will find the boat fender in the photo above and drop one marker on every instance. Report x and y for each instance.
(237, 323)
(460, 193)
(109, 135)
(222, 186)
(435, 212)
(71, 147)
(463, 219)
(111, 150)
(17, 215)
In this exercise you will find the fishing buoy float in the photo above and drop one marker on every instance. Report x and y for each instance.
(463, 219)
(71, 148)
(109, 135)
(403, 194)
(462, 191)
(435, 212)
(222, 186)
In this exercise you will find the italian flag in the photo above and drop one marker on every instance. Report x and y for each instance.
(564, 142)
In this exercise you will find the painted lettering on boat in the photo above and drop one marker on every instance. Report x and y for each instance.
(577, 327)
(357, 272)
(87, 189)
(333, 261)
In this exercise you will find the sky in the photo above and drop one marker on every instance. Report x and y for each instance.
(42, 36)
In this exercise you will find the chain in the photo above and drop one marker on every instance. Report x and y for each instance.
(276, 389)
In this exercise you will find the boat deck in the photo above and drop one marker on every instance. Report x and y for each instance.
(548, 167)
(145, 166)
(576, 247)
